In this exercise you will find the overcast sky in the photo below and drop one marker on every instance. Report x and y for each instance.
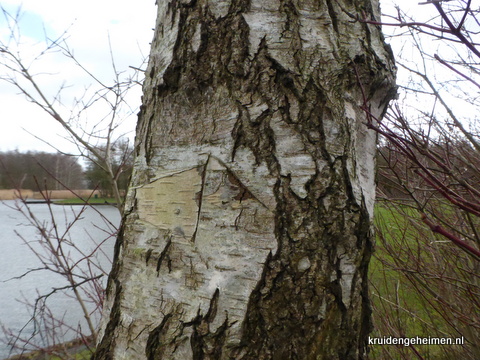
(89, 25)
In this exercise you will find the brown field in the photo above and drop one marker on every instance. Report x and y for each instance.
(11, 194)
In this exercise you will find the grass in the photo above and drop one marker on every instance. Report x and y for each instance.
(84, 354)
(403, 301)
(91, 201)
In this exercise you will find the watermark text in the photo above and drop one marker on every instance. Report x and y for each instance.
(417, 340)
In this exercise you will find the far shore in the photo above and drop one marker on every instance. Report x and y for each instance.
(12, 194)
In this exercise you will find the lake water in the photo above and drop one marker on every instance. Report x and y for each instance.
(94, 225)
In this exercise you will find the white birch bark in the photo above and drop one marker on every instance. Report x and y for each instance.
(247, 231)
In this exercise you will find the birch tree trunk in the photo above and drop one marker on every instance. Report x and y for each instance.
(247, 232)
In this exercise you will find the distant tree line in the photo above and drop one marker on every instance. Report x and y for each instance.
(31, 170)
(56, 171)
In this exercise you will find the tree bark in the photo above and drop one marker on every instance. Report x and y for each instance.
(247, 232)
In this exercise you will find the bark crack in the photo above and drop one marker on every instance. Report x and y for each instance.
(333, 15)
(200, 197)
(153, 342)
(165, 257)
(205, 343)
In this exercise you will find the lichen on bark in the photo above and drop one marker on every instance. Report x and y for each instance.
(247, 232)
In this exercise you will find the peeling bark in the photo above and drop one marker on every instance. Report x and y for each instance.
(248, 226)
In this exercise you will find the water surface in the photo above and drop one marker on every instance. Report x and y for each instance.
(86, 228)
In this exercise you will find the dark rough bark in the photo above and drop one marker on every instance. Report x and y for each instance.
(248, 233)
